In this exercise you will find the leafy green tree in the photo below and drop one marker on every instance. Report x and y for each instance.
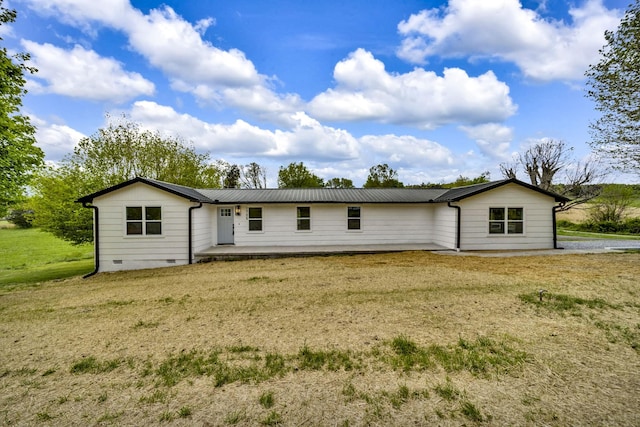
(339, 183)
(19, 157)
(296, 175)
(21, 218)
(253, 176)
(615, 87)
(612, 203)
(123, 151)
(54, 207)
(382, 176)
(119, 152)
(461, 181)
(232, 177)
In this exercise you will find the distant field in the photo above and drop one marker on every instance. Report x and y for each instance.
(30, 256)
(397, 339)
(581, 213)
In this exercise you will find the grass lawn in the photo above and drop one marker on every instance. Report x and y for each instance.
(589, 235)
(391, 339)
(31, 256)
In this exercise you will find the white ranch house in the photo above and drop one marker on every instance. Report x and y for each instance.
(145, 223)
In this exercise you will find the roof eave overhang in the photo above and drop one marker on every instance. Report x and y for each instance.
(89, 198)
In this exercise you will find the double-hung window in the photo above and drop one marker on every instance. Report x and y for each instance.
(303, 216)
(144, 220)
(506, 220)
(353, 218)
(255, 219)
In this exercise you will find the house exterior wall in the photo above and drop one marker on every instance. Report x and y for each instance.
(202, 228)
(118, 251)
(379, 224)
(538, 219)
(444, 226)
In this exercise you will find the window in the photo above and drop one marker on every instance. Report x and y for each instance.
(506, 220)
(304, 217)
(145, 220)
(353, 218)
(255, 219)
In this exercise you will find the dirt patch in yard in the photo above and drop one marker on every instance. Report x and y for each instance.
(408, 338)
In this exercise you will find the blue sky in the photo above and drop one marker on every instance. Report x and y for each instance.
(435, 89)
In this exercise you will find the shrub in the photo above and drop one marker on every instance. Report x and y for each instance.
(21, 218)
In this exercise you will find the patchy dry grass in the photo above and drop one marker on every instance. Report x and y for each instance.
(396, 339)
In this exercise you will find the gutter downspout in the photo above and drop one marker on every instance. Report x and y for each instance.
(96, 239)
(458, 227)
(554, 210)
(191, 232)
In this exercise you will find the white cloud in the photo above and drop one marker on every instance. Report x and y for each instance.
(265, 103)
(310, 138)
(306, 138)
(494, 140)
(408, 151)
(175, 46)
(56, 140)
(366, 91)
(544, 49)
(81, 73)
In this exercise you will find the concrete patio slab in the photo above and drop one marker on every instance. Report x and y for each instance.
(231, 252)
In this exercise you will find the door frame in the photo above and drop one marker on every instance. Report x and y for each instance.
(225, 228)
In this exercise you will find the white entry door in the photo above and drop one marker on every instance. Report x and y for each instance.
(225, 226)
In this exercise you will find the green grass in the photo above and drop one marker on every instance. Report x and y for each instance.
(585, 234)
(481, 357)
(266, 399)
(91, 365)
(31, 256)
(563, 303)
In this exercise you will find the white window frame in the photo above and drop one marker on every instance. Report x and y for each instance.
(358, 218)
(303, 218)
(144, 221)
(505, 223)
(256, 219)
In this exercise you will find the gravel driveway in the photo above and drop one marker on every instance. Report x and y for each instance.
(586, 244)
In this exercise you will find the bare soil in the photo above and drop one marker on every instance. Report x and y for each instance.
(204, 344)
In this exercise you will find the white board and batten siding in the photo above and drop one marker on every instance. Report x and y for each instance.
(118, 251)
(379, 224)
(538, 219)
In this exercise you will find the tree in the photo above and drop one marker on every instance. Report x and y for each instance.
(382, 176)
(253, 176)
(612, 203)
(53, 204)
(19, 157)
(123, 151)
(119, 152)
(339, 183)
(542, 162)
(460, 181)
(296, 175)
(232, 177)
(615, 87)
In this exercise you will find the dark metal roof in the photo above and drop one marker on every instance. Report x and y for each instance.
(322, 195)
(459, 193)
(178, 190)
